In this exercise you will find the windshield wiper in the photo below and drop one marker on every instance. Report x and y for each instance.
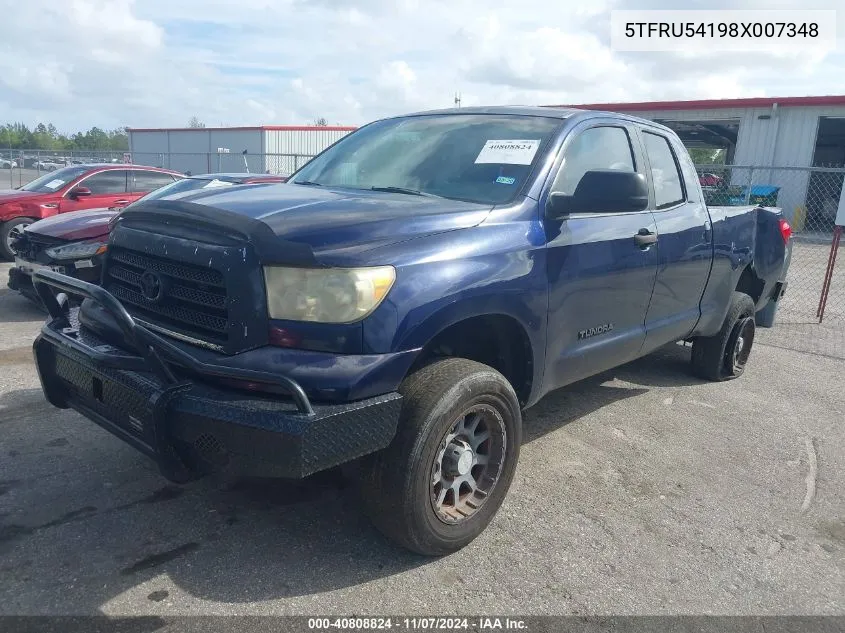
(410, 192)
(307, 182)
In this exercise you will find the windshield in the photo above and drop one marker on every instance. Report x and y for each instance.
(54, 180)
(183, 186)
(476, 157)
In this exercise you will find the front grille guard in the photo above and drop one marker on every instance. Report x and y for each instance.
(154, 352)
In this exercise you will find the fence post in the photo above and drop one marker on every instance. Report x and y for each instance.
(748, 187)
(828, 276)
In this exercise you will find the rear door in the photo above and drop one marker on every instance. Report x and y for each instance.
(684, 245)
(600, 277)
(143, 181)
(108, 189)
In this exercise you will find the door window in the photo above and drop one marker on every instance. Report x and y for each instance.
(146, 181)
(106, 182)
(690, 173)
(668, 190)
(595, 148)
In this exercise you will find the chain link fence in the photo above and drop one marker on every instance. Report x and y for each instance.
(216, 162)
(809, 198)
(18, 167)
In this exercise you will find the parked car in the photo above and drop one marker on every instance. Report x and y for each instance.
(75, 243)
(49, 164)
(710, 180)
(402, 299)
(6, 163)
(74, 189)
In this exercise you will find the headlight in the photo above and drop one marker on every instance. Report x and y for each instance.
(326, 295)
(78, 250)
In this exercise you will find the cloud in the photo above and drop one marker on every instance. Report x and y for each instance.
(543, 58)
(80, 63)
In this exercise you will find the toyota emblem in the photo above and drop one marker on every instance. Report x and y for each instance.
(152, 286)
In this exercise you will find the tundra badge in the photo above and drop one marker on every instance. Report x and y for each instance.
(593, 331)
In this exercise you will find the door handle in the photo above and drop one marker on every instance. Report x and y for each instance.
(707, 228)
(121, 201)
(645, 238)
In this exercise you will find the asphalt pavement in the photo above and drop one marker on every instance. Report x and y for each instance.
(640, 491)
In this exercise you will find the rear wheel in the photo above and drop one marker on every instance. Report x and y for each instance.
(444, 476)
(9, 231)
(724, 355)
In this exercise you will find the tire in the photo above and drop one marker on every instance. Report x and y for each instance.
(7, 231)
(724, 355)
(397, 484)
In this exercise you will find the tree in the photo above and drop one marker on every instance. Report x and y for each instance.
(321, 122)
(47, 137)
(708, 155)
(195, 122)
(119, 139)
(44, 137)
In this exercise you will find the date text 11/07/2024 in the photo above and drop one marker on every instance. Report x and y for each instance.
(418, 623)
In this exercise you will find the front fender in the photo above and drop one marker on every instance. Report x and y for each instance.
(436, 291)
(15, 210)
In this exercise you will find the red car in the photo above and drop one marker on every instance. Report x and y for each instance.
(74, 244)
(710, 180)
(72, 189)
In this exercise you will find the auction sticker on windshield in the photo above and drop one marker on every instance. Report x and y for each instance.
(54, 184)
(508, 152)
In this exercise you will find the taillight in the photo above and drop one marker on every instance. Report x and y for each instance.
(785, 230)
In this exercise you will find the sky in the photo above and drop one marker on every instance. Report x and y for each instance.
(155, 63)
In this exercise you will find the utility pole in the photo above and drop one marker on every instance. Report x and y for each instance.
(457, 99)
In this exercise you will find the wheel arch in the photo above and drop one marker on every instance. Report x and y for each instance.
(751, 284)
(497, 339)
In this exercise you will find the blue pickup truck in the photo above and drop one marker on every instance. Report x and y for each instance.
(402, 299)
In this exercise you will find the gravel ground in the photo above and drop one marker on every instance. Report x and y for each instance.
(640, 491)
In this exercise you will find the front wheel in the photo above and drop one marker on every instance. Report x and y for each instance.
(724, 355)
(9, 232)
(444, 476)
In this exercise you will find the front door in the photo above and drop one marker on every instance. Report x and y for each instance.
(600, 276)
(108, 189)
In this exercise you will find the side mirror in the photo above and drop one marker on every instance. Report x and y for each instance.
(602, 191)
(79, 192)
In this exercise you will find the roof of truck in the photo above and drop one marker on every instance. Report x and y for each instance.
(542, 111)
(557, 113)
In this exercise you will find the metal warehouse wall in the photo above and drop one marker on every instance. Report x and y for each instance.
(279, 150)
(195, 150)
(306, 142)
(787, 139)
